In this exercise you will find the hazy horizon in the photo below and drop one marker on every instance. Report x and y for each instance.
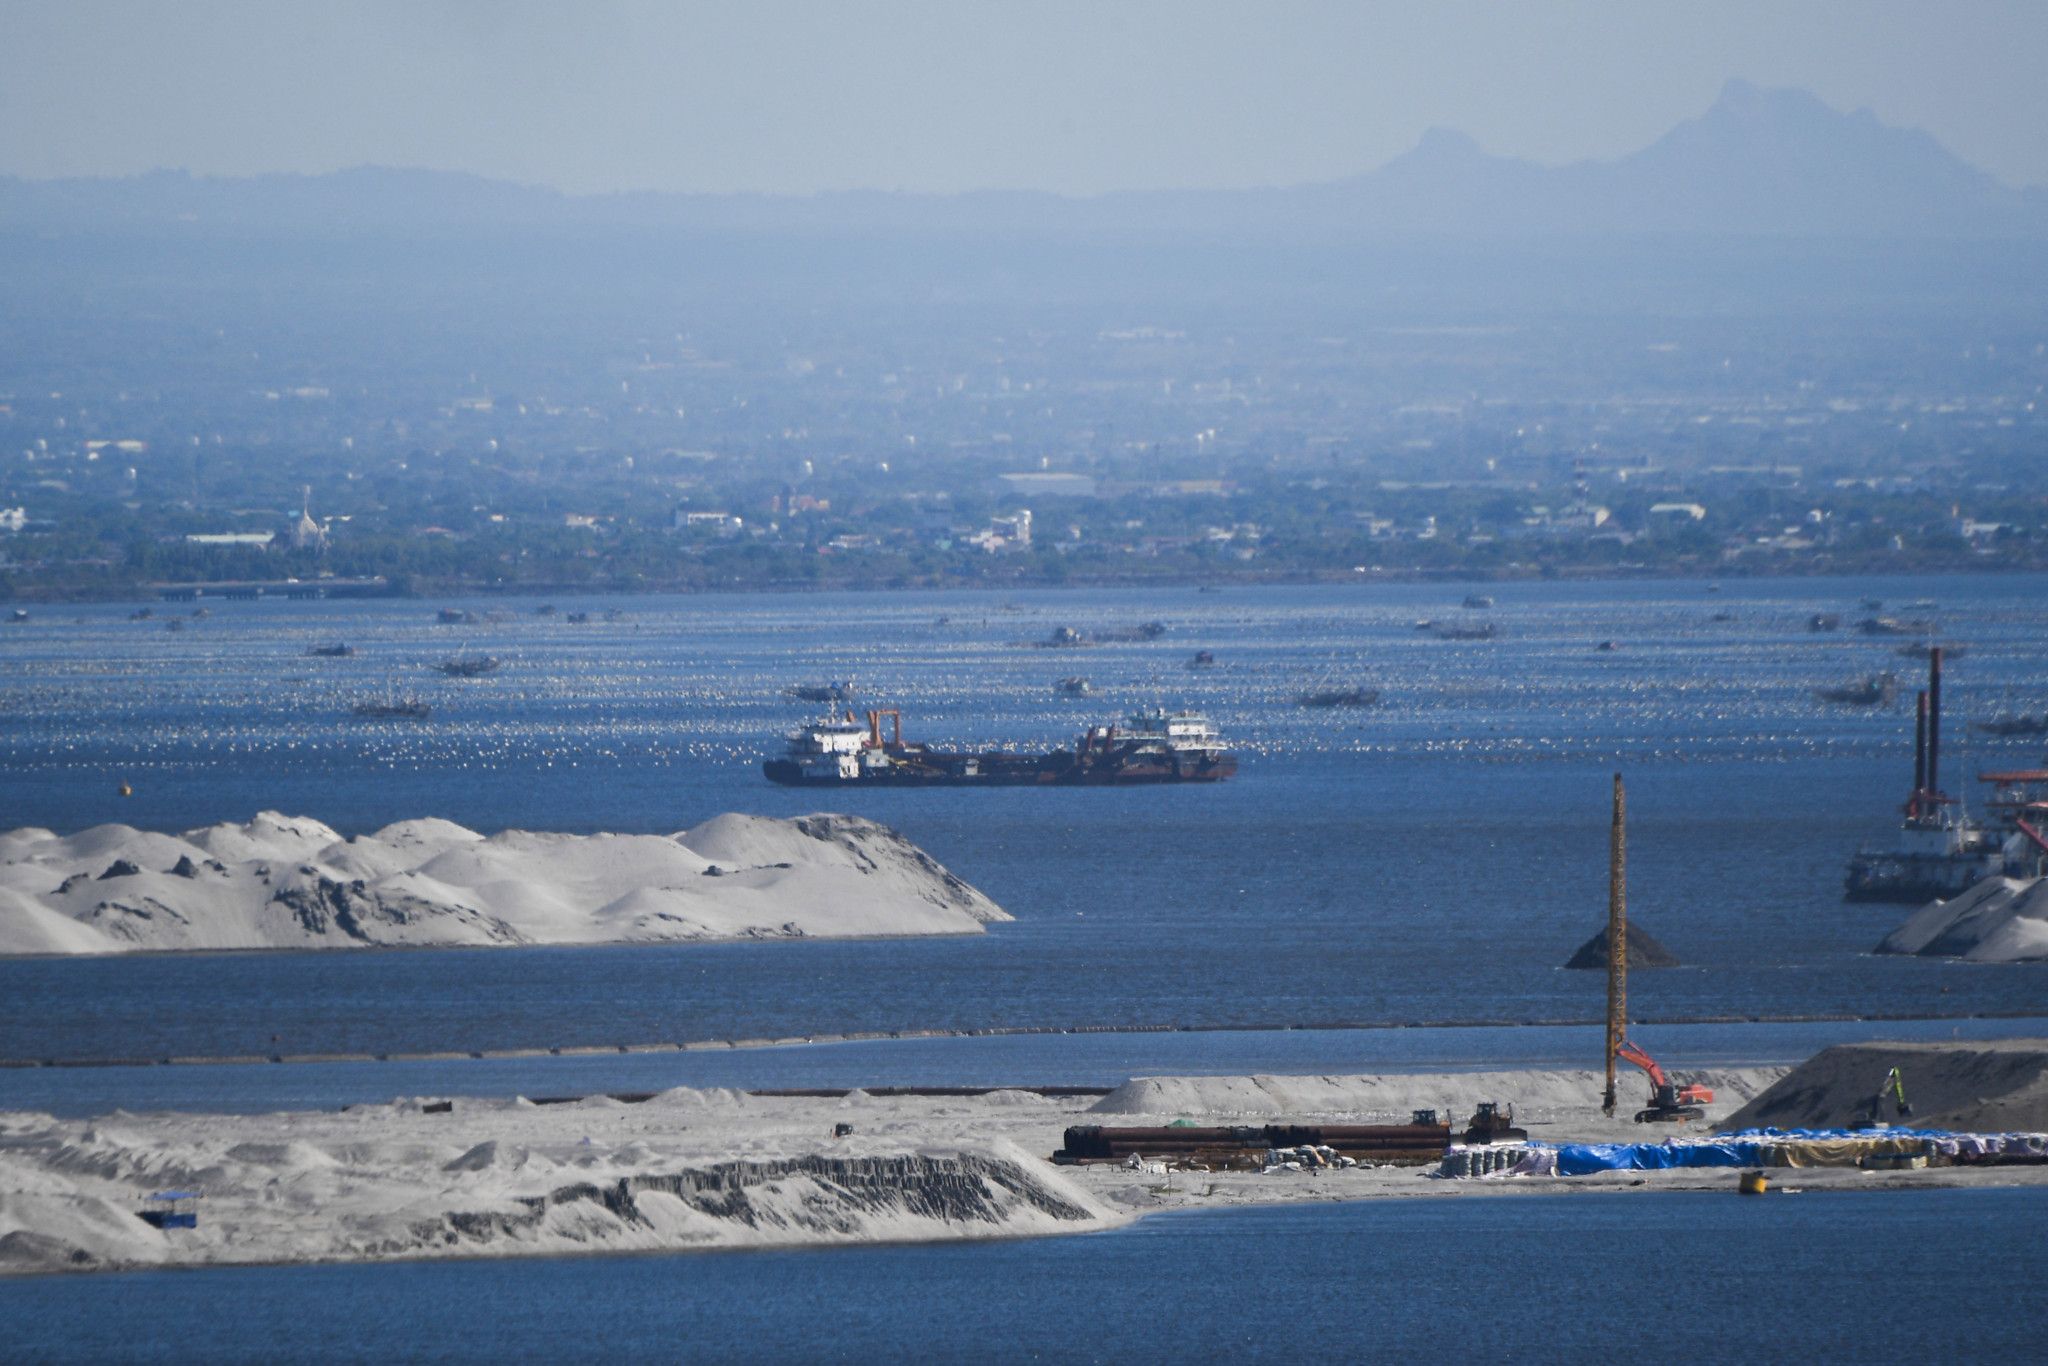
(1063, 98)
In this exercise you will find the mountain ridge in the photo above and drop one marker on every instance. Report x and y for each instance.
(1759, 161)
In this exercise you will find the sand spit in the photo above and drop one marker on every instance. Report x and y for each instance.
(1998, 1086)
(688, 1169)
(1540, 1098)
(711, 1169)
(2000, 920)
(290, 882)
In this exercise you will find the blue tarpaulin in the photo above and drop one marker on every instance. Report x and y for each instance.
(1749, 1148)
(1579, 1159)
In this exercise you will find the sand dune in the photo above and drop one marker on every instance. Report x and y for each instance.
(2000, 920)
(284, 882)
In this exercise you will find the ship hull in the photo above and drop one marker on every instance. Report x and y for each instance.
(1060, 769)
(1906, 879)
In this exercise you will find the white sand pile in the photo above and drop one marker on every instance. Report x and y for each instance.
(1538, 1097)
(2000, 920)
(281, 882)
(1999, 1086)
(490, 1178)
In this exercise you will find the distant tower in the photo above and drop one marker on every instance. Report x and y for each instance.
(308, 534)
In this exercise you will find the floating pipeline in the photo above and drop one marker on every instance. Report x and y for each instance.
(1750, 1148)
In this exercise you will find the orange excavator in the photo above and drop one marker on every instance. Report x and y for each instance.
(1669, 1102)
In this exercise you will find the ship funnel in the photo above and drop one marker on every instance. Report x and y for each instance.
(1919, 755)
(1934, 719)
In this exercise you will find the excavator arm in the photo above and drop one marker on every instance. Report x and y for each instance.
(1894, 1085)
(1662, 1089)
(1627, 1051)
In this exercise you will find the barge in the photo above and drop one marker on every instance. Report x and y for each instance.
(1147, 747)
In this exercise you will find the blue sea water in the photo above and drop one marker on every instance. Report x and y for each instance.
(1104, 1059)
(1834, 1276)
(1436, 857)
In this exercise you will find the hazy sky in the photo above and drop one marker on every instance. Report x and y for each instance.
(1077, 97)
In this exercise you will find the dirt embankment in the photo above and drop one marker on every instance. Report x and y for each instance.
(1990, 1087)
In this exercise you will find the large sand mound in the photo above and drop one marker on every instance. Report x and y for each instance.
(1538, 1097)
(2000, 920)
(284, 882)
(1992, 1087)
(492, 1178)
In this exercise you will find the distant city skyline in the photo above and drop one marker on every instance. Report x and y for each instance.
(1077, 99)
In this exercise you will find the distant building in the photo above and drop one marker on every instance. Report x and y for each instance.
(722, 522)
(1005, 533)
(1051, 484)
(308, 534)
(259, 539)
(1691, 512)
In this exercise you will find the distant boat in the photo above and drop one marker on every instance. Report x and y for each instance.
(2013, 723)
(337, 650)
(20, 615)
(837, 691)
(411, 709)
(1877, 690)
(1203, 659)
(1477, 600)
(1824, 621)
(1147, 630)
(1893, 626)
(1074, 686)
(470, 666)
(454, 616)
(1340, 697)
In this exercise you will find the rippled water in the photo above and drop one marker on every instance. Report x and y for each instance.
(1835, 1276)
(1436, 856)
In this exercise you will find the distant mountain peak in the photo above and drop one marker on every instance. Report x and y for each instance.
(1447, 143)
(1760, 160)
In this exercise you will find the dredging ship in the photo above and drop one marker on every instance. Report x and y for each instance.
(1941, 851)
(1152, 746)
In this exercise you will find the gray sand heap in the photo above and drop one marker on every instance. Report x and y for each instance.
(2000, 920)
(1991, 1087)
(1539, 1097)
(294, 883)
(1643, 951)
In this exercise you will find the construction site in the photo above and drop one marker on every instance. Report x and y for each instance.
(1982, 1107)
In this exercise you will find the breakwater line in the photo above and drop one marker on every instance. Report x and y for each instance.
(996, 1031)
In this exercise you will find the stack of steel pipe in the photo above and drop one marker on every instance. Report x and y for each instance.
(1382, 1142)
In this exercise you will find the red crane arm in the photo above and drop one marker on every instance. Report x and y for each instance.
(1628, 1052)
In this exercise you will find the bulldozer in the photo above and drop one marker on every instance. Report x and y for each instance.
(1670, 1102)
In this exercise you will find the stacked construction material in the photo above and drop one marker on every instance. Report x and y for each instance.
(1246, 1144)
(1752, 1148)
